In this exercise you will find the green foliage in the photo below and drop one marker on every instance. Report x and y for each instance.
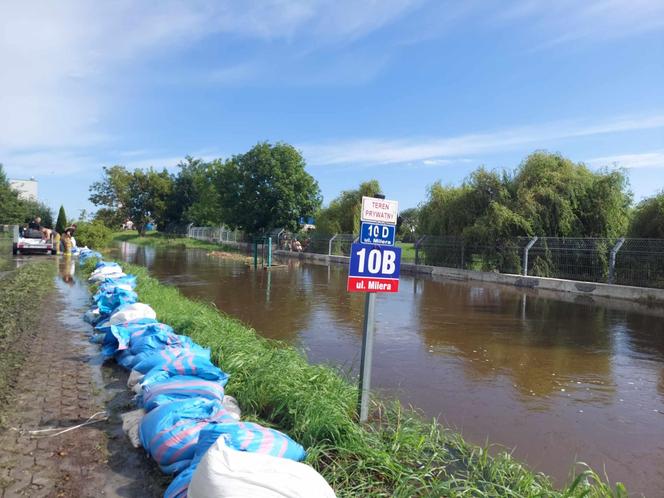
(139, 195)
(93, 234)
(267, 188)
(408, 229)
(547, 195)
(195, 197)
(343, 213)
(112, 218)
(11, 210)
(648, 218)
(61, 223)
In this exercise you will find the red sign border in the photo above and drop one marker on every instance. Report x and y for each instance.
(351, 284)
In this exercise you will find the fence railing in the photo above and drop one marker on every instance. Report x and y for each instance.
(626, 261)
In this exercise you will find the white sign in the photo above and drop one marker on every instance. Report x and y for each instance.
(379, 210)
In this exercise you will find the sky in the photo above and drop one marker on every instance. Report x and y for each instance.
(408, 92)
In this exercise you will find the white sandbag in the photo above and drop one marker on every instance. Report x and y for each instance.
(131, 422)
(135, 377)
(227, 473)
(231, 406)
(102, 277)
(132, 312)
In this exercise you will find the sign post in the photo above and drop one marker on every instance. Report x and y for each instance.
(374, 267)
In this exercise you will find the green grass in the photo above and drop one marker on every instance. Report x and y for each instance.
(397, 454)
(407, 251)
(21, 295)
(159, 239)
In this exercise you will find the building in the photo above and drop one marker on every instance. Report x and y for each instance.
(27, 189)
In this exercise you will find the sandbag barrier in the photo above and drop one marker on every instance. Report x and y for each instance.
(184, 420)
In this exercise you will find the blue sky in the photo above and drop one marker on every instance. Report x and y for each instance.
(404, 91)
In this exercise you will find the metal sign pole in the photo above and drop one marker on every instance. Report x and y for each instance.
(367, 352)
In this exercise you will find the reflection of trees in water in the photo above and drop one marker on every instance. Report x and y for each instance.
(485, 326)
(644, 334)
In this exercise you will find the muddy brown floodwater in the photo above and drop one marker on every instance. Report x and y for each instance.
(556, 377)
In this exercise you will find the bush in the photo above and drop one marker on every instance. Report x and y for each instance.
(94, 234)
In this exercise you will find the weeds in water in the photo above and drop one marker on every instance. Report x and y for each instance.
(397, 454)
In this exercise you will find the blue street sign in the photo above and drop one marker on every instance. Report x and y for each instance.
(375, 233)
(374, 268)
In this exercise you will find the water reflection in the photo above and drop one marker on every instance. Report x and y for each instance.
(559, 377)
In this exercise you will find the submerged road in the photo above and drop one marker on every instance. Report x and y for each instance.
(557, 377)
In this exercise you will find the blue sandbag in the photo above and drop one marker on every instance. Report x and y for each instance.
(179, 486)
(204, 370)
(176, 388)
(101, 264)
(169, 433)
(155, 339)
(110, 300)
(179, 356)
(253, 438)
(118, 337)
(181, 361)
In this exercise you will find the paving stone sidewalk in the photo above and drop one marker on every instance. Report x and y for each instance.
(62, 384)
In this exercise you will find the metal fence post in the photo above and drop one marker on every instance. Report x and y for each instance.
(612, 259)
(525, 255)
(329, 244)
(417, 249)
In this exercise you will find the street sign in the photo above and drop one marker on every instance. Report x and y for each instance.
(379, 210)
(374, 268)
(375, 233)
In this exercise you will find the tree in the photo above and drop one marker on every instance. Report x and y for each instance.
(266, 188)
(148, 194)
(648, 218)
(61, 222)
(195, 197)
(343, 213)
(11, 209)
(547, 195)
(409, 223)
(139, 195)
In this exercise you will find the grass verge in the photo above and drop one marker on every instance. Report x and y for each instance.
(21, 296)
(397, 454)
(159, 239)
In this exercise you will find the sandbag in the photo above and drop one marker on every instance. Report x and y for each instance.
(131, 422)
(131, 312)
(169, 433)
(254, 438)
(231, 405)
(179, 387)
(112, 299)
(190, 359)
(227, 473)
(118, 337)
(178, 486)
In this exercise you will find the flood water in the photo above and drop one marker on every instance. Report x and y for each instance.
(556, 377)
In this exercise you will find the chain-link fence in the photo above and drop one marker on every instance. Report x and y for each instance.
(638, 262)
(216, 234)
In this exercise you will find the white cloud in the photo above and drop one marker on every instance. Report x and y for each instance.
(64, 63)
(654, 159)
(566, 21)
(392, 151)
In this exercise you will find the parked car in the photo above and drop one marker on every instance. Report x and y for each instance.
(32, 241)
